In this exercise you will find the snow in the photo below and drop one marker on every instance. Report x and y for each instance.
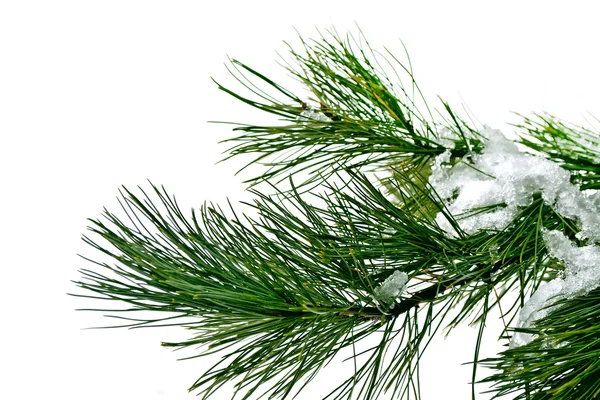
(485, 192)
(446, 138)
(392, 287)
(581, 275)
(311, 113)
(504, 180)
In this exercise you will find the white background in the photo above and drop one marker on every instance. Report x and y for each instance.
(96, 94)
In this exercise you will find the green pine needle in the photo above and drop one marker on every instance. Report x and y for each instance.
(281, 294)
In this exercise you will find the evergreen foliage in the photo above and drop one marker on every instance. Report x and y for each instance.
(280, 294)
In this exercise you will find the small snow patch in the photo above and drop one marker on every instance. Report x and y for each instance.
(392, 287)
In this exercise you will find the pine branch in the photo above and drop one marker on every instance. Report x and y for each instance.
(279, 295)
(231, 284)
(266, 287)
(576, 148)
(563, 362)
(364, 119)
(299, 269)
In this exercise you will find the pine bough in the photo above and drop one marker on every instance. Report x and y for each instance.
(373, 219)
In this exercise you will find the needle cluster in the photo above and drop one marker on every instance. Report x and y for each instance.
(365, 241)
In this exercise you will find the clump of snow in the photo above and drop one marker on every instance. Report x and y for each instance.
(572, 203)
(486, 191)
(446, 138)
(440, 173)
(390, 289)
(582, 274)
(578, 260)
(310, 113)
